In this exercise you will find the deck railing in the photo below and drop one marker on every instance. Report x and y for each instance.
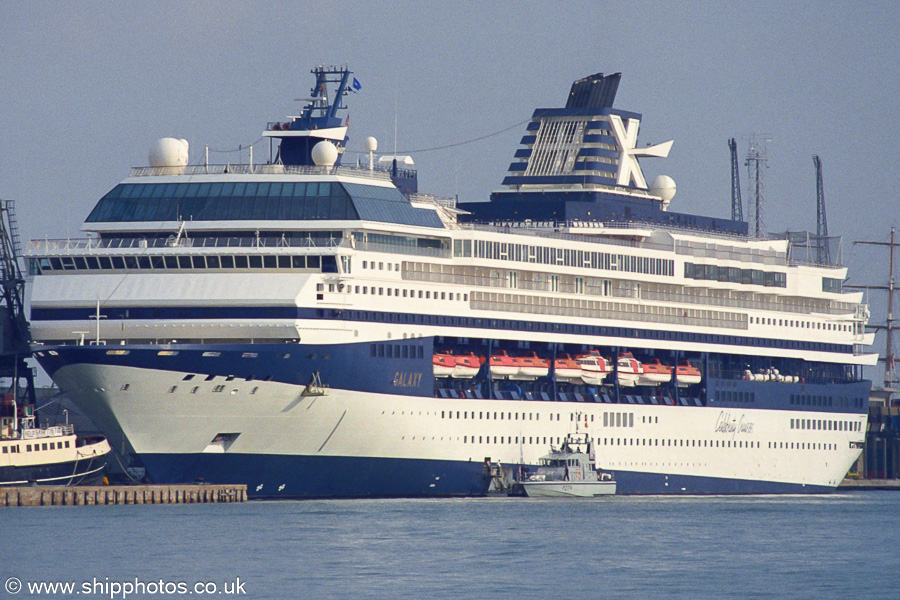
(49, 247)
(263, 169)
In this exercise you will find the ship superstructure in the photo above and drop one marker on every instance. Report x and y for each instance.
(310, 330)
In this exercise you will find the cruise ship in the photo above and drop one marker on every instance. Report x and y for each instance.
(314, 328)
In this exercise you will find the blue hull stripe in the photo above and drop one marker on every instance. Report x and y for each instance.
(348, 477)
(273, 475)
(633, 483)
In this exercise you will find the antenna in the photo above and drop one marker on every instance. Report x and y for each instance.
(737, 210)
(821, 220)
(757, 162)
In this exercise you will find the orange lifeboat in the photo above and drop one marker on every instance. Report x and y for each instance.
(467, 366)
(503, 366)
(655, 373)
(443, 364)
(567, 369)
(687, 374)
(532, 367)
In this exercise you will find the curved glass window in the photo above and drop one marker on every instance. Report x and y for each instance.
(231, 201)
(259, 201)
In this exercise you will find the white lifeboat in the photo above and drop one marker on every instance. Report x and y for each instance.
(594, 368)
(629, 370)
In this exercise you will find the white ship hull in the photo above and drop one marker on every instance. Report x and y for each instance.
(276, 324)
(664, 449)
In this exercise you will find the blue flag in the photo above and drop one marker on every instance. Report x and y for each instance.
(356, 84)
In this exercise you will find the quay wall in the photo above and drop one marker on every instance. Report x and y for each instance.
(121, 494)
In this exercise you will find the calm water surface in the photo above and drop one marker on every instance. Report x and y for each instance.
(838, 546)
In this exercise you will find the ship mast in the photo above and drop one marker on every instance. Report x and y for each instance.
(888, 327)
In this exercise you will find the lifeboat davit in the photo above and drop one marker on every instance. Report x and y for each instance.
(444, 364)
(467, 366)
(594, 368)
(532, 367)
(567, 369)
(687, 374)
(503, 366)
(655, 373)
(629, 370)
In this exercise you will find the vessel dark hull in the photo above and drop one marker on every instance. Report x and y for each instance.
(86, 471)
(282, 476)
(245, 414)
(269, 476)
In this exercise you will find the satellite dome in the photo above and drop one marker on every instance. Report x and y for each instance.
(370, 144)
(664, 187)
(324, 154)
(169, 152)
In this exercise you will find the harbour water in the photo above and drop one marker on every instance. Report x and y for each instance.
(819, 547)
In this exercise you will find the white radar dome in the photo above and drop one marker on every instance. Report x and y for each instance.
(664, 187)
(370, 144)
(324, 154)
(169, 152)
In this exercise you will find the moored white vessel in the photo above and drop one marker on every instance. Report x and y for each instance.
(33, 455)
(294, 324)
(569, 472)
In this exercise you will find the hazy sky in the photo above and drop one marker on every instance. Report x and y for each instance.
(87, 87)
